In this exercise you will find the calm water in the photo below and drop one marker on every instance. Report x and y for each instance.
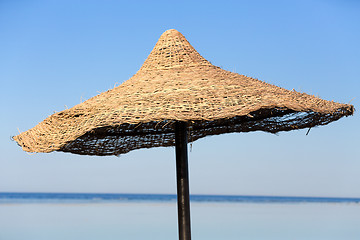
(133, 217)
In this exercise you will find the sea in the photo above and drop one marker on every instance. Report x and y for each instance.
(99, 216)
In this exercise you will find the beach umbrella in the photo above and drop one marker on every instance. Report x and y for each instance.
(177, 96)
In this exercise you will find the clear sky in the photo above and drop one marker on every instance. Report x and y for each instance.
(56, 54)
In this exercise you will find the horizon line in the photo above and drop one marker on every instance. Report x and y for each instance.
(195, 195)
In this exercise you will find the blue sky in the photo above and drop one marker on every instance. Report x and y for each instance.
(55, 54)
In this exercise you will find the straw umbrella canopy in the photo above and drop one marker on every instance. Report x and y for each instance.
(175, 97)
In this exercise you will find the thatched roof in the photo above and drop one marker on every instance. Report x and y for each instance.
(176, 83)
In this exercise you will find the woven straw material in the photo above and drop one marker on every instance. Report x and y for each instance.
(176, 83)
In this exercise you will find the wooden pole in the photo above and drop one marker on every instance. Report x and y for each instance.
(182, 176)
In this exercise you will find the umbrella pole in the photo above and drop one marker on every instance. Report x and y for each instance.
(182, 176)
